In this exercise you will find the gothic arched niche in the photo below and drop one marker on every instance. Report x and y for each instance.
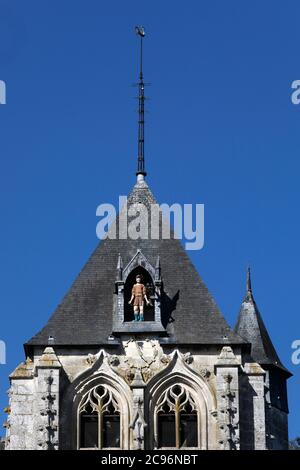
(179, 406)
(149, 314)
(124, 318)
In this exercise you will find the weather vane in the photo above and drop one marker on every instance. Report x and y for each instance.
(140, 30)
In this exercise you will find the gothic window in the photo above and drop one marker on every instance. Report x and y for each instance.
(177, 419)
(148, 283)
(99, 420)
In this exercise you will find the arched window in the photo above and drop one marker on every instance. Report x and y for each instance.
(99, 420)
(177, 419)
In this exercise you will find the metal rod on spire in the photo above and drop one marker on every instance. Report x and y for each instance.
(141, 131)
(249, 287)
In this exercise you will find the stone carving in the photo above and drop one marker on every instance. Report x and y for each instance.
(138, 424)
(139, 259)
(188, 358)
(114, 361)
(146, 374)
(176, 399)
(145, 357)
(100, 399)
(138, 380)
(129, 375)
(91, 359)
(48, 430)
(229, 410)
(165, 359)
(205, 373)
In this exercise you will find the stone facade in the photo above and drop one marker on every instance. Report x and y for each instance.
(46, 393)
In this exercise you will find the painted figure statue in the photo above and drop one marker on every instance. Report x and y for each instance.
(138, 295)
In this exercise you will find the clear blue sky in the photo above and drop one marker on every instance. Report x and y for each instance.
(221, 130)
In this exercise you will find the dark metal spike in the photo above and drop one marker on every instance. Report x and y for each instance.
(249, 287)
(141, 121)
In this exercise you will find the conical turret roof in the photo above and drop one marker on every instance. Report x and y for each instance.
(251, 328)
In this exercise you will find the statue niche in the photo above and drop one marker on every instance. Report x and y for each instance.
(143, 313)
(133, 311)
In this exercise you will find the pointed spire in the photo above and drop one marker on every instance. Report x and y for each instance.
(251, 328)
(141, 173)
(120, 268)
(157, 269)
(249, 295)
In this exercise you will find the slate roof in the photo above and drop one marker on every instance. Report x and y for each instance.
(251, 328)
(84, 317)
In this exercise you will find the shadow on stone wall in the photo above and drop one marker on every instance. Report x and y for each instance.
(247, 441)
(168, 306)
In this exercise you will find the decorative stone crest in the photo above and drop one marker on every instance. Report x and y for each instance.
(205, 373)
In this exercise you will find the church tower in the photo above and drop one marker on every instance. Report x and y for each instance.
(138, 356)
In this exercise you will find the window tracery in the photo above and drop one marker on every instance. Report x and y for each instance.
(99, 414)
(177, 418)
